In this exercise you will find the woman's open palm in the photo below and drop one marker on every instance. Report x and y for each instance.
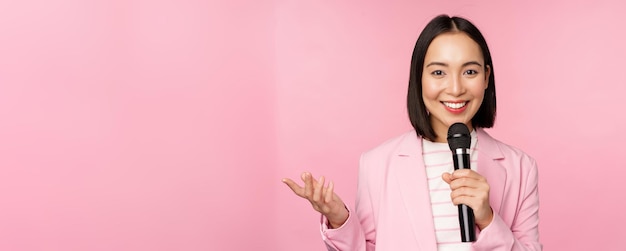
(322, 198)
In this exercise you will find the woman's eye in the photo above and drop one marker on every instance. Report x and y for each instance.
(471, 72)
(437, 73)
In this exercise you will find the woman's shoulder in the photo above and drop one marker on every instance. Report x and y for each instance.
(403, 142)
(501, 150)
(375, 161)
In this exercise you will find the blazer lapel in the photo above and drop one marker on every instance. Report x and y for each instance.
(489, 156)
(407, 166)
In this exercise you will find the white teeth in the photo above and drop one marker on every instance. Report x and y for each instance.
(455, 105)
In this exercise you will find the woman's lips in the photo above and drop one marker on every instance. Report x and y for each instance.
(456, 106)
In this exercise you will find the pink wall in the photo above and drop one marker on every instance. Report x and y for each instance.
(135, 125)
(167, 125)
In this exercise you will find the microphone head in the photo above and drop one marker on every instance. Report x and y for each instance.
(459, 136)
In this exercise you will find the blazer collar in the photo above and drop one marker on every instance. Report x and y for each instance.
(490, 159)
(488, 145)
(407, 165)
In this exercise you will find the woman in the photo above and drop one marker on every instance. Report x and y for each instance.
(408, 191)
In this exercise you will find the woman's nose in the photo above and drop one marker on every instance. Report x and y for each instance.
(456, 87)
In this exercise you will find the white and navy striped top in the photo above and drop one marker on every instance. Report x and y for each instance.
(438, 159)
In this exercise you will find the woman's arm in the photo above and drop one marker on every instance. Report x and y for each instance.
(359, 230)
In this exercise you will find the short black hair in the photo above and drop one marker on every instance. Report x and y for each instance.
(486, 115)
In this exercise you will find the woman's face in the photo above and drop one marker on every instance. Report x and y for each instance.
(454, 80)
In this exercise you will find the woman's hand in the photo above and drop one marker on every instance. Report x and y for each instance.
(471, 189)
(322, 198)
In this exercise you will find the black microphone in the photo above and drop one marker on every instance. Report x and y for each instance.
(459, 141)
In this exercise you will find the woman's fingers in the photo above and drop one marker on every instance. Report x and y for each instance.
(465, 200)
(471, 189)
(313, 190)
(308, 185)
(476, 199)
(329, 193)
(447, 177)
(317, 192)
(465, 182)
(465, 173)
(322, 197)
(298, 190)
(464, 178)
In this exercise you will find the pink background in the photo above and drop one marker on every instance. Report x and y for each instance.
(167, 125)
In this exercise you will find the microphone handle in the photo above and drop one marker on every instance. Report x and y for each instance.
(461, 159)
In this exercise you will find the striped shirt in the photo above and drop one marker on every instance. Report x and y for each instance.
(437, 160)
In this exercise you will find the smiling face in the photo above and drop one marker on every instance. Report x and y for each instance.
(454, 80)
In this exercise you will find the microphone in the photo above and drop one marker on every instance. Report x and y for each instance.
(459, 141)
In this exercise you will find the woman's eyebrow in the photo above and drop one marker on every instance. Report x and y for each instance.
(464, 65)
(437, 63)
(472, 63)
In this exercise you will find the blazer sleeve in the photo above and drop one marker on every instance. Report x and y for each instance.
(358, 233)
(523, 234)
